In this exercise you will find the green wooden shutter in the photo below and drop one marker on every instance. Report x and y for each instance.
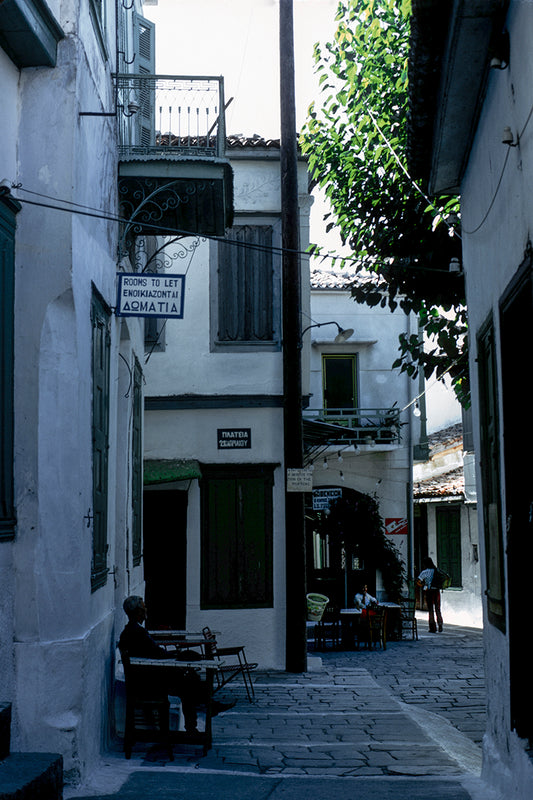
(490, 477)
(137, 465)
(100, 427)
(144, 64)
(246, 285)
(236, 537)
(8, 210)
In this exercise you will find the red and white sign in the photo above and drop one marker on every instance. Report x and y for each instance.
(396, 526)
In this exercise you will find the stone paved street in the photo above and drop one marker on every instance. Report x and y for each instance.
(414, 710)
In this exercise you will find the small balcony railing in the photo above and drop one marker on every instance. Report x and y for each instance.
(170, 116)
(367, 426)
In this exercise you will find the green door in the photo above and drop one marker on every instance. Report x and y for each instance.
(449, 542)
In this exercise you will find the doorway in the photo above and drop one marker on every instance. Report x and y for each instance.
(516, 340)
(165, 558)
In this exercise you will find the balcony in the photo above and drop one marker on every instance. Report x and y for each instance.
(173, 172)
(341, 427)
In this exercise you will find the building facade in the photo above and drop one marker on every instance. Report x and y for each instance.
(81, 140)
(471, 135)
(359, 428)
(214, 500)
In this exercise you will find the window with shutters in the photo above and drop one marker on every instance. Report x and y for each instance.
(8, 210)
(137, 465)
(101, 342)
(237, 536)
(490, 476)
(246, 282)
(97, 12)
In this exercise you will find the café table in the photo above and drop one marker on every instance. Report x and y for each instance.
(350, 621)
(156, 670)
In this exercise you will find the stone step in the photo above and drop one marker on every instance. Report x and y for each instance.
(5, 729)
(31, 776)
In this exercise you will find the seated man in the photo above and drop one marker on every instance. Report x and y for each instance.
(186, 685)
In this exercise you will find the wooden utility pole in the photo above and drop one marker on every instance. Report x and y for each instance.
(296, 633)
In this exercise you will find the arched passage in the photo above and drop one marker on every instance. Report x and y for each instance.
(347, 547)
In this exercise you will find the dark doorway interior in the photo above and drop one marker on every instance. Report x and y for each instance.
(165, 558)
(517, 340)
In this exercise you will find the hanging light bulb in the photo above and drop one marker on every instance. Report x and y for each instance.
(325, 464)
(416, 410)
(342, 476)
(339, 457)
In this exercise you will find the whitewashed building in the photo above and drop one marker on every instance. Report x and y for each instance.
(80, 141)
(471, 126)
(214, 499)
(359, 429)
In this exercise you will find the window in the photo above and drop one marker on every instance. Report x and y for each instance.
(490, 476)
(100, 425)
(237, 537)
(339, 378)
(8, 210)
(248, 292)
(137, 465)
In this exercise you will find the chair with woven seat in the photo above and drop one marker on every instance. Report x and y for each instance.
(377, 618)
(226, 672)
(147, 709)
(328, 629)
(407, 616)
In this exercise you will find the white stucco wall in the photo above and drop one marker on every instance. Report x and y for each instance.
(497, 208)
(60, 634)
(382, 471)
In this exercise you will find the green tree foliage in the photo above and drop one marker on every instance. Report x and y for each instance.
(356, 142)
(355, 523)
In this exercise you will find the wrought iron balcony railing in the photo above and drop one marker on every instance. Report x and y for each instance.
(170, 116)
(360, 425)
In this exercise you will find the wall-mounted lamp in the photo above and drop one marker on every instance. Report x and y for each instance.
(454, 265)
(508, 138)
(342, 336)
(500, 52)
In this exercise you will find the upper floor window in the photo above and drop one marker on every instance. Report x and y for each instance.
(339, 382)
(246, 309)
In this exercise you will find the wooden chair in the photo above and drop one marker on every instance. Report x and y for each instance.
(407, 617)
(377, 620)
(147, 709)
(328, 629)
(228, 671)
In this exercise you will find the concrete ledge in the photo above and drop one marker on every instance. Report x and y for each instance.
(31, 776)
